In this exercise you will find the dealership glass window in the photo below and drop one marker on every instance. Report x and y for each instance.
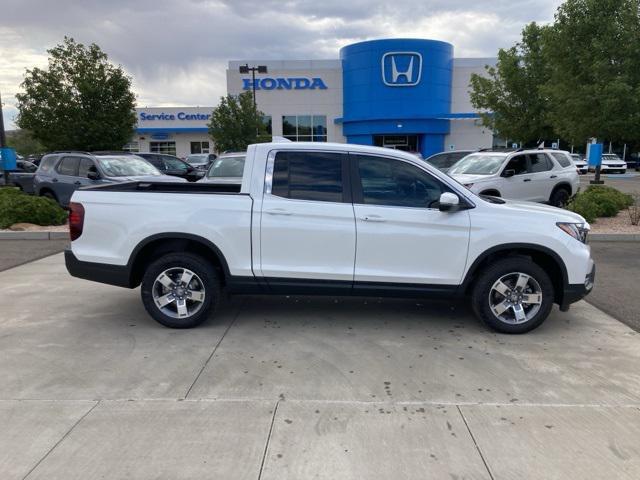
(266, 120)
(308, 176)
(168, 148)
(199, 147)
(131, 147)
(305, 128)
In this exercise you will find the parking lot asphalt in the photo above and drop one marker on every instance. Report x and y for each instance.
(628, 182)
(299, 387)
(617, 288)
(17, 252)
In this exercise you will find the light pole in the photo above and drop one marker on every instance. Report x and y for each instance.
(244, 69)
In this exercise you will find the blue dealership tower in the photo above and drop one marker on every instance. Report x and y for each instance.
(397, 92)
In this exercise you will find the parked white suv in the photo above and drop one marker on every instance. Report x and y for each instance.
(332, 219)
(547, 176)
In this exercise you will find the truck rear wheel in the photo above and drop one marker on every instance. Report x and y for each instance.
(180, 290)
(513, 295)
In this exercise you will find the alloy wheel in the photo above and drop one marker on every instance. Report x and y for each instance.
(515, 298)
(178, 292)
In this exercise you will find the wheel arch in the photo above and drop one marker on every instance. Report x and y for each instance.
(159, 244)
(546, 258)
(562, 185)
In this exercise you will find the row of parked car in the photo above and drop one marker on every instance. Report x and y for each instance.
(57, 175)
(538, 175)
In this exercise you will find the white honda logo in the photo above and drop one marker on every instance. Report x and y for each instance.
(401, 69)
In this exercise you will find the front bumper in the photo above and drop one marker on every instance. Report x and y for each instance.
(577, 291)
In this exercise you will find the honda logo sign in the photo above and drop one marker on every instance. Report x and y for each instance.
(401, 69)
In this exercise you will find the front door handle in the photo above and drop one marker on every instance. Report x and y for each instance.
(77, 183)
(553, 176)
(373, 218)
(526, 180)
(54, 180)
(277, 211)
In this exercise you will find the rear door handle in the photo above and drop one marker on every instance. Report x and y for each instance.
(526, 180)
(278, 211)
(54, 180)
(373, 218)
(553, 176)
(77, 183)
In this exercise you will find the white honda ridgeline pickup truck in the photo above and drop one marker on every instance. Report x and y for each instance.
(331, 219)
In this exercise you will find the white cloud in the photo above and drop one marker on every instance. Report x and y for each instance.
(177, 51)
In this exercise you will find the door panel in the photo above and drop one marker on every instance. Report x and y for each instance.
(307, 228)
(521, 185)
(401, 236)
(66, 180)
(544, 178)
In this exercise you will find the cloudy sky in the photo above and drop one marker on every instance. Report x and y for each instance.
(176, 50)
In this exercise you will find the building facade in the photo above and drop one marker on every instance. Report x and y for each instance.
(410, 94)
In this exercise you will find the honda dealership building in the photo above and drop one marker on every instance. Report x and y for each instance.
(409, 94)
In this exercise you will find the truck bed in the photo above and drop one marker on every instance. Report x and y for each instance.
(166, 187)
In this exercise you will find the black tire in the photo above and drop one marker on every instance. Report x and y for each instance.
(560, 197)
(207, 279)
(482, 289)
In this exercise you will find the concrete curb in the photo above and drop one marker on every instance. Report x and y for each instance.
(34, 235)
(614, 237)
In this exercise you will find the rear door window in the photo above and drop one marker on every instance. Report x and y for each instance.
(539, 163)
(47, 163)
(314, 176)
(69, 166)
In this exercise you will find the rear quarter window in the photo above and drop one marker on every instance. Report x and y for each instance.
(562, 159)
(47, 164)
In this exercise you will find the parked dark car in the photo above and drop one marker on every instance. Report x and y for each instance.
(34, 158)
(170, 165)
(62, 173)
(201, 161)
(22, 177)
(443, 161)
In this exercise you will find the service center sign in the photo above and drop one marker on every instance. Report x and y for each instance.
(167, 117)
(281, 83)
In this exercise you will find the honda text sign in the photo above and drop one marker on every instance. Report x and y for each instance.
(401, 69)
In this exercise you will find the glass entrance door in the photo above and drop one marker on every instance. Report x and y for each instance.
(408, 143)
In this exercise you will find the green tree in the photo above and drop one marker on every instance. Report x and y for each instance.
(593, 51)
(81, 101)
(23, 142)
(510, 97)
(235, 123)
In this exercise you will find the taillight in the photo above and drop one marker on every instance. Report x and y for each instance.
(76, 220)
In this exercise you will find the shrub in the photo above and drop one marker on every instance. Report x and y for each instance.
(600, 201)
(634, 210)
(18, 207)
(585, 206)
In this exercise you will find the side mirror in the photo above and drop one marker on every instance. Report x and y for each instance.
(93, 175)
(508, 173)
(448, 201)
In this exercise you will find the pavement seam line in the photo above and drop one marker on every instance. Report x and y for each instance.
(266, 445)
(61, 440)
(486, 465)
(214, 350)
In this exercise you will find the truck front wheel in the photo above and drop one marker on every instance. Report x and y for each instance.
(513, 295)
(180, 290)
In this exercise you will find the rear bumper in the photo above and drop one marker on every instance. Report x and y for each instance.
(118, 275)
(577, 291)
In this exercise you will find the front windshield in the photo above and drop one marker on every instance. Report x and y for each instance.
(198, 159)
(126, 166)
(610, 156)
(478, 165)
(227, 167)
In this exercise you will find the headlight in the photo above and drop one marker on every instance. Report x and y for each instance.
(578, 231)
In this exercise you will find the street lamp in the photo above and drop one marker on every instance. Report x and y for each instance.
(244, 69)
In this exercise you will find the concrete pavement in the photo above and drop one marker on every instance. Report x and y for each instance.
(299, 387)
(617, 289)
(17, 252)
